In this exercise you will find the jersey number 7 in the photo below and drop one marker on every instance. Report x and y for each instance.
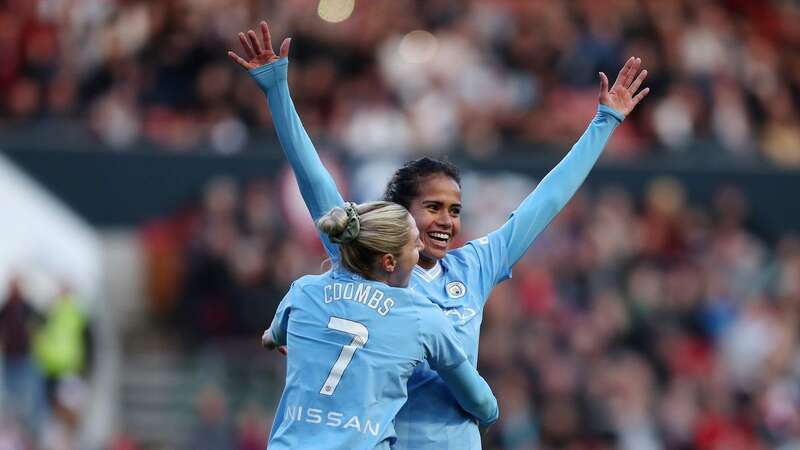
(360, 336)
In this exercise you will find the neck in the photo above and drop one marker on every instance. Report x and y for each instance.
(378, 274)
(426, 262)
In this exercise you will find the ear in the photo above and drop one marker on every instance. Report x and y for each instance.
(388, 262)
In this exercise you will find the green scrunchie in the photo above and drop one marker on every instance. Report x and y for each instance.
(353, 227)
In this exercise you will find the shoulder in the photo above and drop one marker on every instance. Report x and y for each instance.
(414, 303)
(467, 254)
(476, 248)
(310, 280)
(405, 296)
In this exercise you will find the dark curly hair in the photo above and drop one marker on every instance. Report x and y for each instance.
(404, 185)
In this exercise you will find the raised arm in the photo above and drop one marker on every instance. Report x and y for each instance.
(270, 73)
(557, 187)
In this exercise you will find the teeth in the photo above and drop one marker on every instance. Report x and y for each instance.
(442, 236)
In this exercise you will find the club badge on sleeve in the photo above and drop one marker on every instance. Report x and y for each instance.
(456, 289)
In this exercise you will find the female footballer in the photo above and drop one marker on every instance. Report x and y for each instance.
(357, 334)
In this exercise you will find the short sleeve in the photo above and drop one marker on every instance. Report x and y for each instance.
(442, 348)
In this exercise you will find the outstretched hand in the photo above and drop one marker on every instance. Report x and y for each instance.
(621, 95)
(259, 53)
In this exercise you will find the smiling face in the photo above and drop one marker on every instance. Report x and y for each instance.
(437, 211)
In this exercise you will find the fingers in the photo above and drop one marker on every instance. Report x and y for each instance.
(248, 51)
(251, 36)
(284, 51)
(627, 75)
(239, 60)
(283, 350)
(603, 83)
(640, 96)
(254, 48)
(623, 73)
(633, 69)
(628, 72)
(637, 82)
(266, 36)
(637, 63)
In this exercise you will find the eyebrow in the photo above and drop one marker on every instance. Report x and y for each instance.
(438, 203)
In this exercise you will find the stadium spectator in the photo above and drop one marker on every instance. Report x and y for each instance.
(23, 381)
(63, 345)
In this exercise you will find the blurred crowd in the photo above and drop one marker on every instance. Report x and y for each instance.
(651, 325)
(218, 271)
(633, 323)
(406, 76)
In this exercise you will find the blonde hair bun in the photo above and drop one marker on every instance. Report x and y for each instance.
(334, 223)
(365, 231)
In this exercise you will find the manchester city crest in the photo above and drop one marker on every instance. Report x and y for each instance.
(456, 289)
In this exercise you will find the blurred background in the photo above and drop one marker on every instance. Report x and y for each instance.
(152, 226)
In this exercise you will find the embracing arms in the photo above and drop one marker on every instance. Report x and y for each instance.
(445, 355)
(472, 392)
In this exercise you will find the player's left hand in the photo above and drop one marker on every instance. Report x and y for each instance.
(622, 96)
(258, 52)
(269, 343)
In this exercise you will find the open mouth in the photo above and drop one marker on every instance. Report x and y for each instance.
(439, 237)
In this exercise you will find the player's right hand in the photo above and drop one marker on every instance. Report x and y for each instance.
(259, 53)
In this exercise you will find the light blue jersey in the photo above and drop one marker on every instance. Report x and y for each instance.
(353, 345)
(461, 282)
